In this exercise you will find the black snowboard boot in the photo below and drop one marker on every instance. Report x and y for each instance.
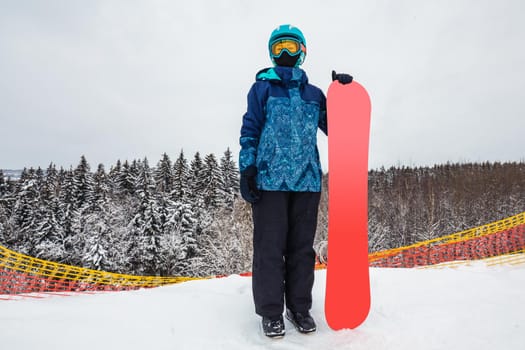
(302, 321)
(273, 327)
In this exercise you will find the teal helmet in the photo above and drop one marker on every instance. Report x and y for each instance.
(287, 31)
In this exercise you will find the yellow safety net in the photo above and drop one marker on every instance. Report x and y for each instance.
(499, 238)
(500, 242)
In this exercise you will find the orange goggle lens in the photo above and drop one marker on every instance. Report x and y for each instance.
(292, 46)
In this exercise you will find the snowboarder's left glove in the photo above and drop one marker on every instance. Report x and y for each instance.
(249, 190)
(342, 77)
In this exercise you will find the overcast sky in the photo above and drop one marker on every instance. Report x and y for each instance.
(132, 79)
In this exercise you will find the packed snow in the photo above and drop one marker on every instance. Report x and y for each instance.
(471, 307)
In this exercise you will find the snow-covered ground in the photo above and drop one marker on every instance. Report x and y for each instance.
(472, 307)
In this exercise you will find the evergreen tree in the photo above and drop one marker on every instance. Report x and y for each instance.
(11, 186)
(27, 174)
(101, 189)
(164, 175)
(146, 227)
(4, 207)
(3, 225)
(136, 170)
(69, 218)
(197, 181)
(97, 233)
(47, 241)
(126, 179)
(50, 186)
(186, 243)
(95, 253)
(83, 194)
(4, 204)
(61, 178)
(100, 244)
(181, 179)
(114, 176)
(230, 179)
(3, 184)
(26, 214)
(212, 178)
(145, 185)
(39, 177)
(165, 208)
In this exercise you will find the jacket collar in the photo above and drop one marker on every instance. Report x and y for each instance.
(283, 75)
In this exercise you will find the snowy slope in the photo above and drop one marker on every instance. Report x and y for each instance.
(472, 307)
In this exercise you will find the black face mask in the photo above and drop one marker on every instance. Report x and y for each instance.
(286, 60)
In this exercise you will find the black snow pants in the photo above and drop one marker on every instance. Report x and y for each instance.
(283, 254)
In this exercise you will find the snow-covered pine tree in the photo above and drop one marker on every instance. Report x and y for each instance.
(213, 181)
(100, 244)
(146, 227)
(61, 177)
(8, 196)
(164, 175)
(230, 179)
(203, 200)
(4, 217)
(125, 180)
(103, 247)
(115, 220)
(181, 179)
(196, 181)
(95, 252)
(187, 249)
(3, 223)
(136, 169)
(2, 183)
(82, 200)
(4, 207)
(101, 189)
(10, 187)
(25, 214)
(113, 176)
(47, 240)
(39, 177)
(83, 194)
(69, 218)
(145, 185)
(166, 211)
(50, 185)
(27, 174)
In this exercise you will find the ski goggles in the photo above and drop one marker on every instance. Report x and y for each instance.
(292, 46)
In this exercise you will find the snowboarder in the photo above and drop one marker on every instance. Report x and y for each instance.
(281, 178)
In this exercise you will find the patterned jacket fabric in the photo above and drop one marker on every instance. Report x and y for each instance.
(279, 131)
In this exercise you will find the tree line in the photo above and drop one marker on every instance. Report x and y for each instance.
(178, 218)
(407, 205)
(187, 217)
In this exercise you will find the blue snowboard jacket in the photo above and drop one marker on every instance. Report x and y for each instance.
(279, 131)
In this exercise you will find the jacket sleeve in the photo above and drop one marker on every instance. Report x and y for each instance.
(323, 122)
(252, 125)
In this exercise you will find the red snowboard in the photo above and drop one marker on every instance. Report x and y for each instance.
(347, 279)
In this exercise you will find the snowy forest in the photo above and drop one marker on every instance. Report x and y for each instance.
(178, 218)
(186, 217)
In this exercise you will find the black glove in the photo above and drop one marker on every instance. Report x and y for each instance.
(249, 190)
(342, 77)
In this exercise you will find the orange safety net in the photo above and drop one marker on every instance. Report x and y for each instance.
(495, 239)
(22, 274)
